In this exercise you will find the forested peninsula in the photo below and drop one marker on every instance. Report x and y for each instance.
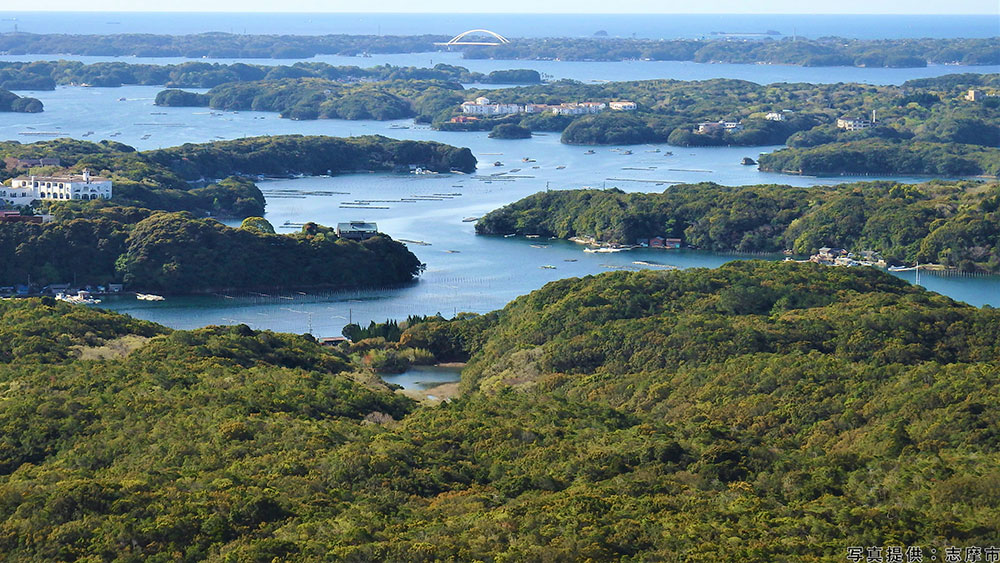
(46, 75)
(756, 412)
(174, 179)
(177, 253)
(956, 224)
(11, 102)
(774, 49)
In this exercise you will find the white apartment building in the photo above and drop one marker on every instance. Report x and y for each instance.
(25, 189)
(581, 108)
(622, 106)
(483, 106)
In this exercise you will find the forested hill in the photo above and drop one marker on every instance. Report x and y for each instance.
(757, 412)
(178, 253)
(952, 223)
(45, 75)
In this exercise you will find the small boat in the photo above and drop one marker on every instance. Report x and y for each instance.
(569, 259)
(626, 152)
(508, 235)
(498, 163)
(526, 159)
(470, 219)
(547, 267)
(531, 236)
(560, 167)
(122, 99)
(538, 245)
(591, 151)
(148, 297)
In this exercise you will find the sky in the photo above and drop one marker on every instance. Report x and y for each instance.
(534, 6)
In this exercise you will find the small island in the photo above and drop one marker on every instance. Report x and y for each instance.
(510, 131)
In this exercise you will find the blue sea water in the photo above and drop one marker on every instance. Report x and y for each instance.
(651, 26)
(464, 272)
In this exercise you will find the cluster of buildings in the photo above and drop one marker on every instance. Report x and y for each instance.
(25, 189)
(734, 126)
(841, 257)
(15, 163)
(16, 217)
(659, 242)
(721, 125)
(485, 107)
(854, 123)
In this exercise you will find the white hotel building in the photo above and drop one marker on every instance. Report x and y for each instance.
(23, 190)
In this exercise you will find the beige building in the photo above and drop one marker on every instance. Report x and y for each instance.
(622, 106)
(852, 124)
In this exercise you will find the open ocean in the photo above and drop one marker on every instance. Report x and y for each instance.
(655, 26)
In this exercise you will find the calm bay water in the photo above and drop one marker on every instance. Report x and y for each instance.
(464, 272)
(584, 71)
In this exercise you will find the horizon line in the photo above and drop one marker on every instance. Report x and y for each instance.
(47, 10)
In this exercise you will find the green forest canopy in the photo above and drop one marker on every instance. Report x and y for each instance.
(755, 412)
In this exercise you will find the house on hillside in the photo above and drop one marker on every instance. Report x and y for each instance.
(357, 230)
(853, 124)
(622, 105)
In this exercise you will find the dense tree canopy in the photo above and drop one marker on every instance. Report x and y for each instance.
(756, 412)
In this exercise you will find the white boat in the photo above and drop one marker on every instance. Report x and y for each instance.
(148, 297)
